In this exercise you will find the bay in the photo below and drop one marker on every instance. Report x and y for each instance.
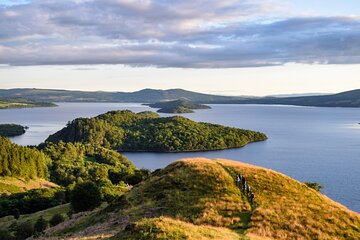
(307, 143)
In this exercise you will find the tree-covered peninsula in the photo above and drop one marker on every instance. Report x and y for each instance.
(177, 106)
(11, 130)
(147, 131)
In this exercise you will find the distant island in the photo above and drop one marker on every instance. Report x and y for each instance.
(177, 106)
(6, 103)
(147, 131)
(11, 130)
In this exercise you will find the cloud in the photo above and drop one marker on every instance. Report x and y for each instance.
(163, 33)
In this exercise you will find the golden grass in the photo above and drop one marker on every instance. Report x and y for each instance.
(10, 185)
(164, 228)
(197, 199)
(289, 209)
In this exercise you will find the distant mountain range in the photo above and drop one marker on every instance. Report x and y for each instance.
(344, 99)
(142, 96)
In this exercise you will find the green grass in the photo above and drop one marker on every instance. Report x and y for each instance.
(9, 188)
(197, 199)
(5, 222)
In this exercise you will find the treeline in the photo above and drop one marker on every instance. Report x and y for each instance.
(127, 131)
(76, 162)
(18, 161)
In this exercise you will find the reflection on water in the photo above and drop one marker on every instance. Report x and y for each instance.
(307, 143)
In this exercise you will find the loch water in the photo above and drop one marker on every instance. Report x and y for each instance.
(307, 143)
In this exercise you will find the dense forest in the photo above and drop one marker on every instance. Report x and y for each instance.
(146, 131)
(18, 161)
(177, 106)
(76, 162)
(11, 130)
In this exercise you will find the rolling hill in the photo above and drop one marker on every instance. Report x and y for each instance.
(198, 199)
(142, 96)
(343, 99)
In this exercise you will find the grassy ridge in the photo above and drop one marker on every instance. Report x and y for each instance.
(198, 198)
(14, 185)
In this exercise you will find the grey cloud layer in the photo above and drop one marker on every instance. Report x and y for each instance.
(164, 33)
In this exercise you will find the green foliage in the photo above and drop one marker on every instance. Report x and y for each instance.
(85, 196)
(25, 230)
(6, 235)
(40, 225)
(11, 130)
(56, 219)
(175, 110)
(18, 161)
(127, 131)
(74, 163)
(31, 201)
(314, 185)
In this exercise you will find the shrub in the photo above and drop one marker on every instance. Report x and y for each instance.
(40, 225)
(314, 185)
(6, 235)
(25, 230)
(56, 219)
(85, 196)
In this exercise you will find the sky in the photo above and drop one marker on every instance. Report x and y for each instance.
(230, 47)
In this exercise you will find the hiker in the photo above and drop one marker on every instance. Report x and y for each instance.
(237, 180)
(243, 181)
(248, 188)
(252, 197)
(243, 187)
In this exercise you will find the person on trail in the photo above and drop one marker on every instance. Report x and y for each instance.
(243, 181)
(252, 197)
(248, 189)
(237, 180)
(243, 187)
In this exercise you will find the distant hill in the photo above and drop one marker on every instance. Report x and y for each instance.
(14, 102)
(198, 199)
(142, 96)
(177, 106)
(343, 99)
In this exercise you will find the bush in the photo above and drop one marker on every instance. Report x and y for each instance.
(85, 196)
(314, 185)
(25, 230)
(6, 235)
(40, 225)
(56, 219)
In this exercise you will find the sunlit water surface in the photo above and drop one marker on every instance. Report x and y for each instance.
(309, 144)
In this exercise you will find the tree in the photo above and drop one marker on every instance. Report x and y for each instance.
(314, 185)
(85, 196)
(25, 230)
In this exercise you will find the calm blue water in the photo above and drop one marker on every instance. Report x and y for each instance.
(308, 144)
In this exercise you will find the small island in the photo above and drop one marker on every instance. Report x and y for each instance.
(12, 130)
(7, 103)
(147, 131)
(177, 106)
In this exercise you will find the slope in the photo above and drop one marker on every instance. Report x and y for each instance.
(198, 197)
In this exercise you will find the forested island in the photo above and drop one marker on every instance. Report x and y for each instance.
(177, 106)
(11, 130)
(147, 131)
(6, 103)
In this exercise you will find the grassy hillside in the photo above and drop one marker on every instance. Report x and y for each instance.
(198, 199)
(14, 185)
(21, 103)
